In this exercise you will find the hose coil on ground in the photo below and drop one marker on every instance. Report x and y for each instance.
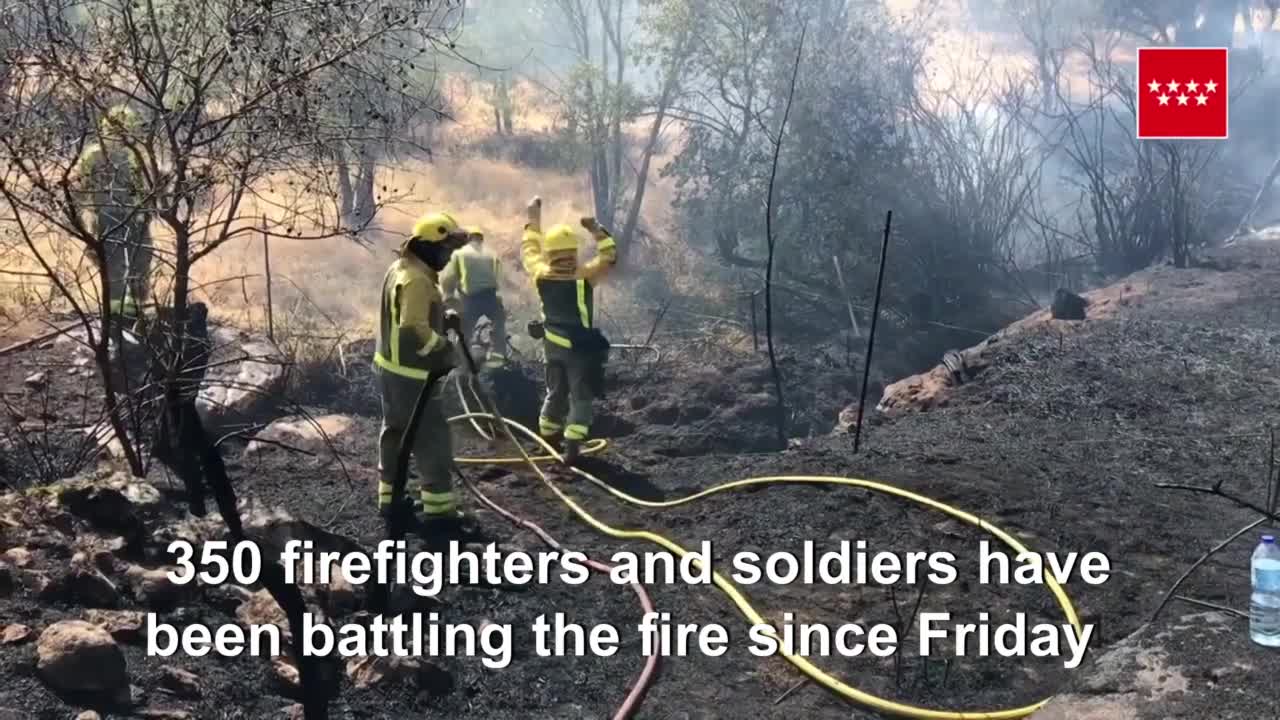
(744, 606)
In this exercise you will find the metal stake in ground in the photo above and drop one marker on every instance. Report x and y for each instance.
(266, 262)
(755, 332)
(871, 338)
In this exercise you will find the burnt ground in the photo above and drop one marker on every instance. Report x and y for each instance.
(1061, 442)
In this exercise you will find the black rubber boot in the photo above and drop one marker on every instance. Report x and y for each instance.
(572, 452)
(407, 510)
(451, 526)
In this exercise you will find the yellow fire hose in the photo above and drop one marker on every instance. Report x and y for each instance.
(728, 588)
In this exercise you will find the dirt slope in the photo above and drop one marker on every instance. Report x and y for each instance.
(1235, 286)
(1059, 440)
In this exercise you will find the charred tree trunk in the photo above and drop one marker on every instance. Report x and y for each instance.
(1219, 27)
(1258, 199)
(116, 411)
(363, 209)
(183, 348)
(616, 108)
(768, 276)
(669, 85)
(502, 109)
(194, 442)
(346, 198)
(601, 183)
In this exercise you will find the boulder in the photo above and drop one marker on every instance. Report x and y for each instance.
(83, 584)
(259, 608)
(77, 656)
(124, 625)
(18, 557)
(245, 377)
(286, 674)
(310, 434)
(105, 508)
(105, 439)
(94, 495)
(15, 634)
(154, 588)
(1068, 306)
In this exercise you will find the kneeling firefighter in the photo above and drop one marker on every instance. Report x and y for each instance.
(475, 274)
(576, 351)
(412, 344)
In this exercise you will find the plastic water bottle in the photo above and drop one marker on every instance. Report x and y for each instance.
(1264, 605)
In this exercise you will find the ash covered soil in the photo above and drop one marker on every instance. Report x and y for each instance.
(1061, 441)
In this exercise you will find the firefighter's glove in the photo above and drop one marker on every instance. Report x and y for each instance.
(533, 213)
(453, 322)
(597, 230)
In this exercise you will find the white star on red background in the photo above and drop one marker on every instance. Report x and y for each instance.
(1189, 93)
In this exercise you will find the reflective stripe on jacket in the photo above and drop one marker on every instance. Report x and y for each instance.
(568, 298)
(566, 304)
(471, 270)
(411, 320)
(113, 177)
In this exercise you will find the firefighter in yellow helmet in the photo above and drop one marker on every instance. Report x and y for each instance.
(575, 349)
(112, 180)
(475, 274)
(411, 344)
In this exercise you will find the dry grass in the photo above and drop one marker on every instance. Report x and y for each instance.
(327, 289)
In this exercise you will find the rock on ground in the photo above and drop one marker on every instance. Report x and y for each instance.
(182, 683)
(1068, 306)
(15, 634)
(299, 433)
(105, 508)
(77, 656)
(154, 588)
(124, 625)
(245, 377)
(18, 557)
(260, 609)
(84, 585)
(1181, 667)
